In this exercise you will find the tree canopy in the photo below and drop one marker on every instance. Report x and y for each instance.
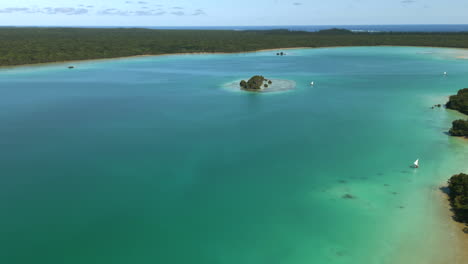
(335, 31)
(257, 82)
(459, 128)
(38, 45)
(459, 101)
(458, 185)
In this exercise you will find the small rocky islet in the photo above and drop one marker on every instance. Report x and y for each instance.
(255, 84)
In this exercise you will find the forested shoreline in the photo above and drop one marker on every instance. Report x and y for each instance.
(19, 46)
(459, 102)
(458, 184)
(458, 196)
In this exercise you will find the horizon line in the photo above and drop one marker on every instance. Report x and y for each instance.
(283, 25)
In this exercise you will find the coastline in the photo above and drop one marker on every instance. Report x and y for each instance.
(440, 239)
(464, 57)
(151, 55)
(454, 228)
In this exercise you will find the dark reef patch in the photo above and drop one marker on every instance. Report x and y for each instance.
(348, 196)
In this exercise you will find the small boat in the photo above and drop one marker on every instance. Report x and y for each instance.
(445, 73)
(416, 163)
(71, 67)
(311, 83)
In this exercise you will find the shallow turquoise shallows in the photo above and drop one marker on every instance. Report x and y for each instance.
(155, 160)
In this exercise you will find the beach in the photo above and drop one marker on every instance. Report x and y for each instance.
(458, 53)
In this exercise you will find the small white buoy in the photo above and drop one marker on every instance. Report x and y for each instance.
(312, 84)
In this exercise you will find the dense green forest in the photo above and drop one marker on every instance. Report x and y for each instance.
(458, 195)
(37, 45)
(459, 102)
(255, 83)
(459, 128)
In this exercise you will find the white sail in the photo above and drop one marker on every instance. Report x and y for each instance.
(416, 163)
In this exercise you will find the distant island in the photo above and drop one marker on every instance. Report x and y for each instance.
(20, 46)
(335, 31)
(458, 196)
(255, 84)
(459, 102)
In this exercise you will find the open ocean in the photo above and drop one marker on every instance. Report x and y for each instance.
(157, 160)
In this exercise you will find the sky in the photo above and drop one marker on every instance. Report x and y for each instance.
(230, 12)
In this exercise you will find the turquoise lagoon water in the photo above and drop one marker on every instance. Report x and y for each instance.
(155, 160)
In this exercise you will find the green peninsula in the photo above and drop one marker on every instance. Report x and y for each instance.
(459, 128)
(458, 195)
(459, 102)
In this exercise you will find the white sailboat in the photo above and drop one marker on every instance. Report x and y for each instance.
(416, 163)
